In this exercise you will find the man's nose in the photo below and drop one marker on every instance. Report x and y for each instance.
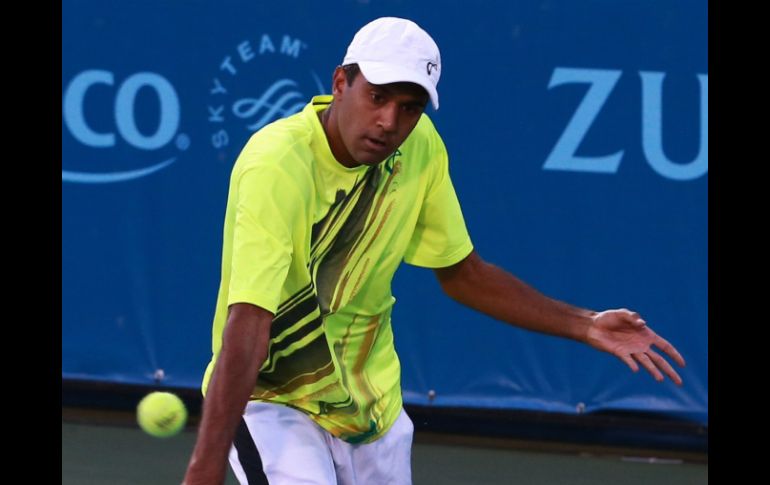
(388, 117)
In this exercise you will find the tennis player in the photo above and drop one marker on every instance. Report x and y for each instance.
(304, 383)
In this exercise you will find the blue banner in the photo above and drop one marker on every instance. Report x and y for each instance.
(578, 143)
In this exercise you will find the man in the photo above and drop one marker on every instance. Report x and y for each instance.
(304, 383)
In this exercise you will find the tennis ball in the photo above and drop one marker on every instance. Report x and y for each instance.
(161, 414)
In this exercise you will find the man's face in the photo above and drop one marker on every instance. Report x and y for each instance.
(374, 120)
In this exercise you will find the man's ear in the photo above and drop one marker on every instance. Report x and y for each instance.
(339, 82)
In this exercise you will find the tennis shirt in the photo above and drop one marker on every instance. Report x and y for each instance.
(317, 244)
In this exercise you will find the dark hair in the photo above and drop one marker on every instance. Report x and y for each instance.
(351, 71)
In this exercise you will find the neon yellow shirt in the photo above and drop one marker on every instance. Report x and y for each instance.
(317, 244)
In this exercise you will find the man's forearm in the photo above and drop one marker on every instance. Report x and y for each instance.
(497, 293)
(243, 351)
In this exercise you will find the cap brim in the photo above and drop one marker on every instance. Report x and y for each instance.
(383, 73)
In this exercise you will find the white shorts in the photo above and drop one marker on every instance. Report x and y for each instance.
(279, 445)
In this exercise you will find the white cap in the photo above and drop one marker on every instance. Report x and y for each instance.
(391, 49)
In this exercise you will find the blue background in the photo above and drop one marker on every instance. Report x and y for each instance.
(140, 258)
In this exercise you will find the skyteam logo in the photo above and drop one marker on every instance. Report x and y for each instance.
(121, 129)
(257, 83)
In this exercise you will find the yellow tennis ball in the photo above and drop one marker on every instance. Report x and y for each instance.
(161, 414)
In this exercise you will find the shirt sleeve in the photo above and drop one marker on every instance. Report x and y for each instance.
(266, 207)
(440, 238)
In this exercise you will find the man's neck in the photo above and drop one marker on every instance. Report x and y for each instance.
(328, 122)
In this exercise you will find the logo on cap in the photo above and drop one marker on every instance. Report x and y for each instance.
(430, 67)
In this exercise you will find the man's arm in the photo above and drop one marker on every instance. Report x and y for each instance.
(244, 349)
(497, 293)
